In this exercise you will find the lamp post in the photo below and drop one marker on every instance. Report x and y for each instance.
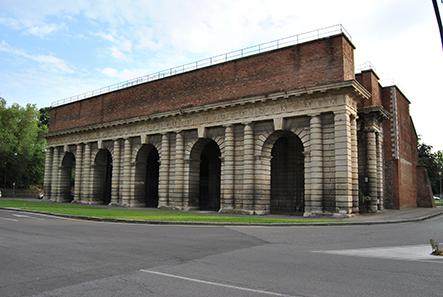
(439, 178)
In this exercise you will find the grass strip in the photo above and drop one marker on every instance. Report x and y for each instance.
(108, 212)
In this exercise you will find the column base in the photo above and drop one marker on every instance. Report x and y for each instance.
(261, 212)
(227, 209)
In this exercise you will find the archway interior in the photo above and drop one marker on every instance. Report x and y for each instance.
(67, 177)
(205, 171)
(103, 176)
(146, 176)
(287, 175)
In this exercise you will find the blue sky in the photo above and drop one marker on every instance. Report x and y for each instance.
(50, 49)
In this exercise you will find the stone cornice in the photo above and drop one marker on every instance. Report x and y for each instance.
(375, 111)
(355, 86)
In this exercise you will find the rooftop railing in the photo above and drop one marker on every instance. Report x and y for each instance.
(229, 56)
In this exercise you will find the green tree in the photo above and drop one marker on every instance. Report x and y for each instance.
(433, 163)
(22, 146)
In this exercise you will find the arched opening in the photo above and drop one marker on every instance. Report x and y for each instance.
(287, 175)
(146, 176)
(205, 173)
(102, 177)
(67, 178)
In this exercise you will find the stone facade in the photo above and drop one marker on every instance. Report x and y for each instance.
(287, 131)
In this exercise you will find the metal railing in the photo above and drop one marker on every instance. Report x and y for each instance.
(229, 56)
(365, 66)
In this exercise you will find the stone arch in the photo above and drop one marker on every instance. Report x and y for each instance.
(67, 177)
(146, 176)
(205, 175)
(137, 147)
(191, 145)
(102, 177)
(282, 173)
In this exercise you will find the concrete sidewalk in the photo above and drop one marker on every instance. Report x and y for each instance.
(389, 216)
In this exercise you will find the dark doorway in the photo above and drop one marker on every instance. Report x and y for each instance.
(67, 178)
(210, 166)
(287, 175)
(146, 176)
(103, 177)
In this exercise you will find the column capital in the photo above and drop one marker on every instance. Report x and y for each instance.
(316, 118)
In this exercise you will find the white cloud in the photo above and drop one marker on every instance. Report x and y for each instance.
(49, 61)
(39, 28)
(118, 54)
(106, 36)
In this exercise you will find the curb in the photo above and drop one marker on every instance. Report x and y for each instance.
(154, 222)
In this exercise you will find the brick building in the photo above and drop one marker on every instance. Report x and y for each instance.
(284, 127)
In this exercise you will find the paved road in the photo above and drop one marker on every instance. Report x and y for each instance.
(47, 256)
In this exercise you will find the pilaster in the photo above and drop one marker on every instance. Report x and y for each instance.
(316, 165)
(116, 172)
(179, 171)
(371, 167)
(163, 183)
(48, 172)
(228, 171)
(78, 172)
(343, 162)
(55, 185)
(248, 168)
(125, 182)
(86, 193)
(354, 152)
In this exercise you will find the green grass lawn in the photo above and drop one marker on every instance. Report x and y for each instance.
(145, 214)
(438, 202)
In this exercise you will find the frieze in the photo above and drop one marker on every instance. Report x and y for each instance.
(284, 107)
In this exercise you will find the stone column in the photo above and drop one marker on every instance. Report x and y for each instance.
(86, 193)
(248, 168)
(343, 162)
(179, 171)
(380, 170)
(228, 170)
(48, 173)
(115, 174)
(316, 164)
(78, 172)
(354, 152)
(125, 182)
(163, 175)
(55, 186)
(371, 167)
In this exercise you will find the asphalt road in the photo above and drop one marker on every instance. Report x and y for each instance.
(47, 256)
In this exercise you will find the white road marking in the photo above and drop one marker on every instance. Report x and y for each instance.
(9, 219)
(26, 216)
(20, 215)
(420, 253)
(217, 284)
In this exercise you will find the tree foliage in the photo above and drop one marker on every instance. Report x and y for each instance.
(22, 146)
(433, 163)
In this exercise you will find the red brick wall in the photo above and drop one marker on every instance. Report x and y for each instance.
(404, 177)
(369, 80)
(309, 64)
(408, 155)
